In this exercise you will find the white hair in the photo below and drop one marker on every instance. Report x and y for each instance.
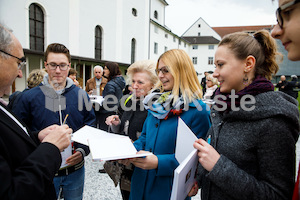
(98, 67)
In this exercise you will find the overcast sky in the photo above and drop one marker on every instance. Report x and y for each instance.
(181, 14)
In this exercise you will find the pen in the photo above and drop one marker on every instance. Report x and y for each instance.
(60, 116)
(208, 139)
(65, 119)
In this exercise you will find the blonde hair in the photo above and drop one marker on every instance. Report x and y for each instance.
(261, 45)
(147, 66)
(35, 78)
(181, 67)
(213, 79)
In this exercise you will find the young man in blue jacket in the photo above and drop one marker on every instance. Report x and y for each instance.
(57, 101)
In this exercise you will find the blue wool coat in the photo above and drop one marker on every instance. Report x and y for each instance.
(159, 137)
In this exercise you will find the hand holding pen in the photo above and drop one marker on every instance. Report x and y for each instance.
(208, 156)
(113, 120)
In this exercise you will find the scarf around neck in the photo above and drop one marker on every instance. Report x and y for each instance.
(161, 105)
(259, 85)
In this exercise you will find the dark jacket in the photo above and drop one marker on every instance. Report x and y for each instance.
(281, 85)
(114, 87)
(33, 108)
(131, 120)
(257, 151)
(27, 168)
(290, 88)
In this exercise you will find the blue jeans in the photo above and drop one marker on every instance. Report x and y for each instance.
(71, 184)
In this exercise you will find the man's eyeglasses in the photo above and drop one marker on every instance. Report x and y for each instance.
(62, 67)
(281, 9)
(22, 60)
(164, 70)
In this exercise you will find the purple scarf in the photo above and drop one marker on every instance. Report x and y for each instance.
(259, 85)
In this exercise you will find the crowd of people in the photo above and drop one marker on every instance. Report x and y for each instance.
(245, 151)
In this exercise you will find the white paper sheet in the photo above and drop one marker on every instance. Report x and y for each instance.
(97, 99)
(113, 149)
(88, 132)
(184, 142)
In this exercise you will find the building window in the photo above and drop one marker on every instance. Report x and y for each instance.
(174, 39)
(195, 60)
(195, 46)
(166, 35)
(199, 34)
(36, 27)
(98, 43)
(199, 25)
(166, 48)
(179, 41)
(155, 29)
(134, 12)
(211, 46)
(210, 60)
(155, 48)
(155, 14)
(133, 43)
(184, 44)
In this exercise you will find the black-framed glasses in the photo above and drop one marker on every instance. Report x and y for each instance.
(62, 66)
(164, 70)
(282, 8)
(22, 60)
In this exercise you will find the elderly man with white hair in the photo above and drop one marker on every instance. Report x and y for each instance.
(96, 85)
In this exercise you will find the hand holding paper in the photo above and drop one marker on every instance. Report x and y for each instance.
(208, 156)
(147, 163)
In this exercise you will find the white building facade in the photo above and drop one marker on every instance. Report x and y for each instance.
(96, 31)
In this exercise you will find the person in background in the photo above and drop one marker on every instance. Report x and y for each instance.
(28, 161)
(142, 77)
(211, 86)
(291, 86)
(72, 75)
(34, 79)
(288, 31)
(177, 97)
(127, 90)
(112, 93)
(242, 160)
(56, 101)
(96, 84)
(281, 84)
(203, 83)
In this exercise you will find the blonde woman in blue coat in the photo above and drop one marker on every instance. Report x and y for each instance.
(179, 95)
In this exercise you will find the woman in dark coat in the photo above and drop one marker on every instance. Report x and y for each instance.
(252, 149)
(113, 92)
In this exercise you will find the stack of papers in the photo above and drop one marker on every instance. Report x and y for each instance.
(106, 146)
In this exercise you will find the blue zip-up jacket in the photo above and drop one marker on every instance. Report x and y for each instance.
(36, 106)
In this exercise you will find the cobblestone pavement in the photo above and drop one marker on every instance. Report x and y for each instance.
(100, 186)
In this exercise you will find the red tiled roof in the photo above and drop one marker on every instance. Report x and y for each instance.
(231, 29)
